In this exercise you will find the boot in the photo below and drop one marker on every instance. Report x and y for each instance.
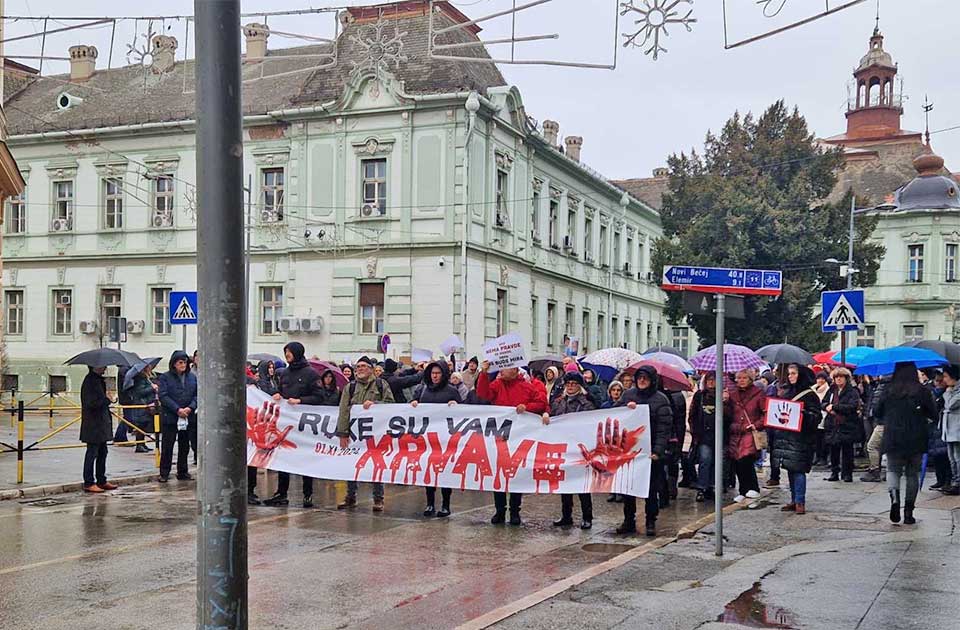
(833, 477)
(908, 514)
(895, 512)
(499, 518)
(801, 508)
(429, 511)
(378, 505)
(444, 510)
(277, 500)
(937, 485)
(253, 499)
(952, 490)
(651, 526)
(515, 518)
(872, 475)
(672, 488)
(348, 503)
(789, 507)
(563, 521)
(627, 527)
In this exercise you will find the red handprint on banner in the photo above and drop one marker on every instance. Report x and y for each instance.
(614, 449)
(262, 430)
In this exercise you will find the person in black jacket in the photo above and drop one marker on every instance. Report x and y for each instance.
(329, 392)
(702, 435)
(96, 429)
(678, 404)
(437, 389)
(842, 424)
(399, 380)
(178, 418)
(573, 400)
(299, 385)
(646, 392)
(905, 410)
(795, 451)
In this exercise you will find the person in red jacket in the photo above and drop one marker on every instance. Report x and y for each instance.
(509, 389)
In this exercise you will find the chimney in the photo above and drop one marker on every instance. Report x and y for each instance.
(661, 171)
(574, 144)
(256, 35)
(551, 130)
(83, 61)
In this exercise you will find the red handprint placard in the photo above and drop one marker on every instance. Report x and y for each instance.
(615, 447)
(262, 430)
(784, 414)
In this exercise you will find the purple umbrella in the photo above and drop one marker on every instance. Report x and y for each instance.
(323, 366)
(734, 358)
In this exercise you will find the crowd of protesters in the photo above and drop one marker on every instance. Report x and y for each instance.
(903, 418)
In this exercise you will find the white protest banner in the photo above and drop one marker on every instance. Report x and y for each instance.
(784, 414)
(464, 446)
(505, 352)
(450, 345)
(419, 355)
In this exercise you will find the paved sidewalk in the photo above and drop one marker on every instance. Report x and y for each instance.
(842, 565)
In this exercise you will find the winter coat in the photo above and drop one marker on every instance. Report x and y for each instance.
(267, 384)
(936, 447)
(327, 397)
(403, 379)
(442, 393)
(748, 408)
(96, 425)
(142, 393)
(905, 420)
(842, 425)
(572, 404)
(678, 403)
(703, 418)
(176, 392)
(512, 393)
(358, 392)
(950, 423)
(660, 409)
(597, 391)
(796, 450)
(302, 382)
(877, 392)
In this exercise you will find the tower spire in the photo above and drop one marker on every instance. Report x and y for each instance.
(876, 28)
(927, 108)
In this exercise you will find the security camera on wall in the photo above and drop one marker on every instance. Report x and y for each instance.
(442, 261)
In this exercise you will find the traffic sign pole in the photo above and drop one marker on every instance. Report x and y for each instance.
(718, 431)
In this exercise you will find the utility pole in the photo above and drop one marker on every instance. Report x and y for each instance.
(221, 491)
(849, 274)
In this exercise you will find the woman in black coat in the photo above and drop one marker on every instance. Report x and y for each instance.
(842, 424)
(96, 429)
(795, 451)
(574, 399)
(436, 389)
(329, 392)
(905, 410)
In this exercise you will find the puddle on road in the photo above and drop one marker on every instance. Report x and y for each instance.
(748, 610)
(612, 548)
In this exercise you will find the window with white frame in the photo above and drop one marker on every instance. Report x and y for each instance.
(111, 305)
(502, 213)
(535, 216)
(615, 325)
(271, 309)
(626, 333)
(163, 196)
(569, 321)
(112, 203)
(551, 324)
(912, 332)
(603, 245)
(601, 331)
(62, 312)
(160, 310)
(867, 336)
(638, 336)
(572, 226)
(553, 218)
(13, 311)
(588, 239)
(626, 267)
(62, 220)
(616, 250)
(271, 195)
(950, 262)
(374, 187)
(585, 332)
(915, 261)
(680, 339)
(501, 312)
(15, 209)
(534, 322)
(371, 308)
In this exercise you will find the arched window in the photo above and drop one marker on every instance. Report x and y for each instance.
(873, 93)
(861, 94)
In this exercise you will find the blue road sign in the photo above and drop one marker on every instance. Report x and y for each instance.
(183, 307)
(842, 310)
(722, 280)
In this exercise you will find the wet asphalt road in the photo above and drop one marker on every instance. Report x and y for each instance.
(127, 560)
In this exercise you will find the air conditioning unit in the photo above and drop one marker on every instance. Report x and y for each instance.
(626, 267)
(162, 220)
(62, 225)
(567, 243)
(289, 324)
(64, 299)
(312, 325)
(88, 327)
(650, 277)
(136, 326)
(369, 210)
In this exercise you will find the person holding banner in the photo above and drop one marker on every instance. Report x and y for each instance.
(508, 389)
(366, 390)
(647, 392)
(795, 451)
(573, 400)
(436, 389)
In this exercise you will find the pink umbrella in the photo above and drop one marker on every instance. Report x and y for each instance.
(673, 378)
(323, 366)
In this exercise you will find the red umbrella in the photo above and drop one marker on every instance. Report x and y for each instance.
(323, 366)
(826, 358)
(672, 377)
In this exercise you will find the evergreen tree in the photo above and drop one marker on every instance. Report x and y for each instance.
(755, 199)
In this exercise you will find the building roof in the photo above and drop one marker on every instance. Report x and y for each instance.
(930, 189)
(649, 190)
(130, 95)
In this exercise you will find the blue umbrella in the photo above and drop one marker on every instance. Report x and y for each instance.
(137, 368)
(884, 362)
(857, 355)
(604, 372)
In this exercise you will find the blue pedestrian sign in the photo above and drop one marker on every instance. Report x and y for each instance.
(842, 310)
(722, 280)
(183, 307)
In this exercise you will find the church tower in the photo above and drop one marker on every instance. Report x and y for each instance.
(874, 111)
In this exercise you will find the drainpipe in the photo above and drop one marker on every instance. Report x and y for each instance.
(472, 106)
(611, 333)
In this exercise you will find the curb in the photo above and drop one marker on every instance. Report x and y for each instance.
(34, 492)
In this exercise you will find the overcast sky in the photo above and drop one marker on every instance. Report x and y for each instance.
(633, 117)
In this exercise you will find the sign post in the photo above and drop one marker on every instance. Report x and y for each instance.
(184, 311)
(721, 282)
(841, 311)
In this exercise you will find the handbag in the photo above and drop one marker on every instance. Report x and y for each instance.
(759, 439)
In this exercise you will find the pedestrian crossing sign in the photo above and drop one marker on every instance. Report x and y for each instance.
(842, 310)
(183, 307)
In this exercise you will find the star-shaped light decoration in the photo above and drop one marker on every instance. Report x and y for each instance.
(380, 49)
(654, 16)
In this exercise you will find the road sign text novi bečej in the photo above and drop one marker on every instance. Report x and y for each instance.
(722, 280)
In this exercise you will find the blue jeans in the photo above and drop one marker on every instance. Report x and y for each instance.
(798, 487)
(705, 468)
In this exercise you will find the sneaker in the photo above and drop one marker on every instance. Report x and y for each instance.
(109, 486)
(253, 499)
(700, 498)
(378, 505)
(563, 522)
(444, 512)
(585, 524)
(163, 478)
(185, 477)
(498, 519)
(277, 500)
(772, 483)
(308, 501)
(832, 478)
(739, 498)
(848, 478)
(908, 515)
(952, 490)
(627, 527)
(93, 488)
(430, 511)
(873, 475)
(937, 485)
(348, 503)
(753, 494)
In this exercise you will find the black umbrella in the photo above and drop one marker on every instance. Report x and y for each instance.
(263, 356)
(667, 349)
(103, 357)
(781, 353)
(540, 364)
(946, 349)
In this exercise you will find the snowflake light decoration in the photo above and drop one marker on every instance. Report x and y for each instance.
(380, 49)
(655, 15)
(142, 54)
(772, 8)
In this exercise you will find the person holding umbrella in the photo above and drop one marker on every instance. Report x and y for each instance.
(141, 391)
(96, 429)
